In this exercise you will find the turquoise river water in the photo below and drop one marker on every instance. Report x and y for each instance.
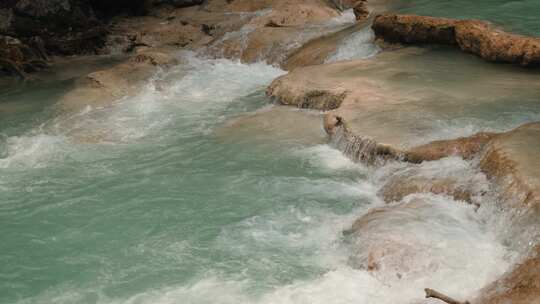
(194, 192)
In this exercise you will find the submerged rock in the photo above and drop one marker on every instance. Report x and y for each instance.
(103, 87)
(415, 242)
(473, 36)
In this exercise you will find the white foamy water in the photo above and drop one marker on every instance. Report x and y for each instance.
(331, 159)
(234, 44)
(190, 220)
(32, 151)
(194, 91)
(424, 241)
(359, 45)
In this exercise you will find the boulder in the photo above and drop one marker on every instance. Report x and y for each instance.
(414, 29)
(473, 36)
(482, 39)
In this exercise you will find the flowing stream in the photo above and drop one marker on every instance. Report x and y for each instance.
(199, 191)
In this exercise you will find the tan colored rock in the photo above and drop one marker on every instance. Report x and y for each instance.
(238, 5)
(381, 250)
(511, 160)
(473, 36)
(480, 38)
(415, 29)
(274, 125)
(398, 188)
(318, 50)
(273, 35)
(465, 147)
(299, 13)
(361, 10)
(387, 100)
(103, 87)
(519, 286)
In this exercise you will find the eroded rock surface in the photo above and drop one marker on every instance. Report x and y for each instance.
(473, 36)
(415, 29)
(399, 97)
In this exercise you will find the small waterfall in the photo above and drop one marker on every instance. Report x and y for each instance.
(359, 45)
(361, 149)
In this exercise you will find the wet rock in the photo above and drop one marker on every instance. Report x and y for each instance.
(482, 39)
(272, 36)
(361, 10)
(318, 50)
(356, 147)
(451, 176)
(103, 87)
(398, 188)
(415, 29)
(300, 90)
(465, 147)
(383, 251)
(473, 36)
(519, 286)
(409, 241)
(377, 106)
(511, 161)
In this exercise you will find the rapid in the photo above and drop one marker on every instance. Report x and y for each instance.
(200, 190)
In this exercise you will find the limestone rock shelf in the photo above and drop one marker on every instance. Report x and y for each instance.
(472, 36)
